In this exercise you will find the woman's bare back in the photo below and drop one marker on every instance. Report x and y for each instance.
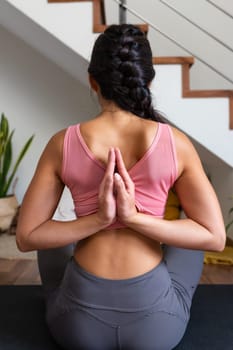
(123, 252)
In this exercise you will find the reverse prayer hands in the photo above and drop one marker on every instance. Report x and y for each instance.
(116, 193)
(124, 190)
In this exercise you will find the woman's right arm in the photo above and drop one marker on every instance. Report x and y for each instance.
(36, 229)
(203, 227)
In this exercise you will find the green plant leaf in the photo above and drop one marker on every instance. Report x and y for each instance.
(229, 225)
(4, 131)
(7, 155)
(17, 163)
(6, 163)
(4, 127)
(6, 149)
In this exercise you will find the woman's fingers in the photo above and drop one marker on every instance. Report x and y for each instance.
(111, 162)
(107, 203)
(124, 199)
(119, 185)
(107, 182)
(122, 169)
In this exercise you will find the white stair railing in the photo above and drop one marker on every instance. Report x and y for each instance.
(124, 7)
(220, 8)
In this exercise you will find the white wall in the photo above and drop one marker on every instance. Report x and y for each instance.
(38, 98)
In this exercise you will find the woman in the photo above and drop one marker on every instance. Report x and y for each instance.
(129, 281)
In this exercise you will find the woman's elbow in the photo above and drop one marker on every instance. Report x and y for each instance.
(22, 244)
(219, 242)
(221, 245)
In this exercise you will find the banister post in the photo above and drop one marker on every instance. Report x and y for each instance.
(122, 12)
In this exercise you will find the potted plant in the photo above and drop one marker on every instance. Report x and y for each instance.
(8, 201)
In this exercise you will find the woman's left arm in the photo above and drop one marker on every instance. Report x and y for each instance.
(36, 229)
(202, 229)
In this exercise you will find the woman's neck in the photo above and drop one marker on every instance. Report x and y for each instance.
(109, 106)
(111, 111)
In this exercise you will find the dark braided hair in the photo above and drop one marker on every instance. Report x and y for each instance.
(121, 64)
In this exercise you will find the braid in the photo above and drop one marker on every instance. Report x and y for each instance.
(125, 70)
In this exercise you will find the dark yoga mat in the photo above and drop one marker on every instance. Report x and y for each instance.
(22, 325)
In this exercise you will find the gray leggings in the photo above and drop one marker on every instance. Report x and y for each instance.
(147, 312)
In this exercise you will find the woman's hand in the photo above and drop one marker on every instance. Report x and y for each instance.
(124, 190)
(107, 201)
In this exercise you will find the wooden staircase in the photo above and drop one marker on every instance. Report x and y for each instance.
(99, 25)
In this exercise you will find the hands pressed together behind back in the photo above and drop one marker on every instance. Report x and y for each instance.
(116, 192)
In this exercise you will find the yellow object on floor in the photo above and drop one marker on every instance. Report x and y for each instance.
(220, 258)
(173, 208)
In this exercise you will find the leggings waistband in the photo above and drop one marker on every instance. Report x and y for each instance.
(131, 294)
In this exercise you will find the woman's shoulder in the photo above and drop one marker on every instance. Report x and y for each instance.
(187, 155)
(55, 144)
(58, 137)
(182, 141)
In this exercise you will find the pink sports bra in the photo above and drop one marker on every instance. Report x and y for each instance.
(153, 175)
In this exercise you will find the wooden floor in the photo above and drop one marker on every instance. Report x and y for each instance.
(18, 272)
(216, 274)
